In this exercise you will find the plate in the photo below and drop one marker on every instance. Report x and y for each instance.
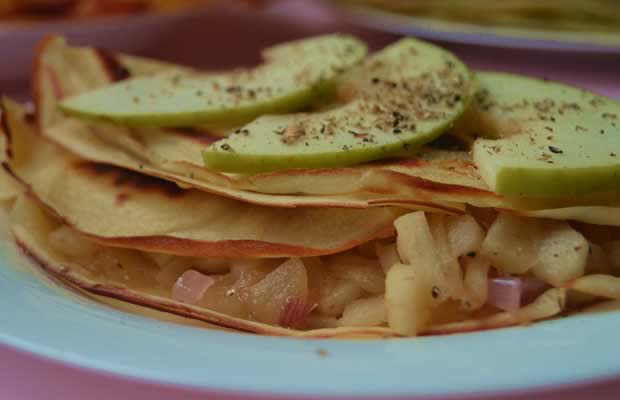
(52, 322)
(582, 42)
(123, 33)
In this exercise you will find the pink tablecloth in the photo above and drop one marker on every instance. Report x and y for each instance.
(223, 41)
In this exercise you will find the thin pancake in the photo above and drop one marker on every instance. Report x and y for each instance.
(430, 180)
(32, 227)
(175, 154)
(126, 209)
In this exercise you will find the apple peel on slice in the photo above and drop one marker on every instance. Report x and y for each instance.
(294, 75)
(399, 98)
(549, 140)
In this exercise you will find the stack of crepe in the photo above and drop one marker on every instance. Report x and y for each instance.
(406, 246)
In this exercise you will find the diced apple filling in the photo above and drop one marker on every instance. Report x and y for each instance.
(441, 269)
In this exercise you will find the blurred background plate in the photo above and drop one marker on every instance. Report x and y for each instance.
(482, 35)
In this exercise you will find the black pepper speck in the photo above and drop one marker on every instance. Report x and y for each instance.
(555, 150)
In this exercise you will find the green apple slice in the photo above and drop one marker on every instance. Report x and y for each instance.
(554, 140)
(400, 98)
(294, 74)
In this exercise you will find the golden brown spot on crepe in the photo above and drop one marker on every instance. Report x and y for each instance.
(116, 71)
(59, 93)
(30, 117)
(121, 199)
(126, 178)
(4, 127)
(38, 74)
(7, 168)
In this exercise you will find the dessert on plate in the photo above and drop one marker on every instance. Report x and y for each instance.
(327, 192)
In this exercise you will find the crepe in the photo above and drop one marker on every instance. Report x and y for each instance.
(32, 227)
(174, 154)
(407, 247)
(123, 208)
(434, 180)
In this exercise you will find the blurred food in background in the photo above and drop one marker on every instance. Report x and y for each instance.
(154, 27)
(45, 9)
(562, 15)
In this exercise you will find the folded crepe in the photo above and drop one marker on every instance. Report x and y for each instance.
(175, 154)
(256, 296)
(107, 231)
(124, 208)
(415, 246)
(441, 180)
